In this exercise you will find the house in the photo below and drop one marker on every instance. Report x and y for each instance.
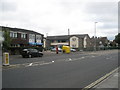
(77, 41)
(100, 42)
(103, 40)
(24, 38)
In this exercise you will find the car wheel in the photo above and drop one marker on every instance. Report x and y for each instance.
(30, 56)
(40, 55)
(23, 56)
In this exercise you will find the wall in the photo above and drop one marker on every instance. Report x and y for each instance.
(74, 42)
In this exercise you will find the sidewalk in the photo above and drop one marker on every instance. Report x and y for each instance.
(109, 83)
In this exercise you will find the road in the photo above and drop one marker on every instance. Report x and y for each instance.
(62, 71)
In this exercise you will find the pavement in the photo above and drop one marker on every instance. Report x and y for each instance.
(110, 82)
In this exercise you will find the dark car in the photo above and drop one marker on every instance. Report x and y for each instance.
(31, 53)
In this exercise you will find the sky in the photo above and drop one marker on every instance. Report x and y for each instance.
(54, 17)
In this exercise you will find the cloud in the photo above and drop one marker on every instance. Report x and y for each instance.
(7, 6)
(56, 16)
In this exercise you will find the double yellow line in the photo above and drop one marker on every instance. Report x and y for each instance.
(99, 80)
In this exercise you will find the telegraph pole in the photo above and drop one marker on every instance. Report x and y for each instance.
(95, 37)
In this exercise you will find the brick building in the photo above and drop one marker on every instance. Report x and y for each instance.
(78, 41)
(24, 38)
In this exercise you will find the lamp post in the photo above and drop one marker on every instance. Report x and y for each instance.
(95, 37)
(68, 36)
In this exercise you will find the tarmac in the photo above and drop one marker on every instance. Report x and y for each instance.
(110, 82)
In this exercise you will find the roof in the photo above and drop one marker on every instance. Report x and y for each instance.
(58, 37)
(22, 30)
(64, 37)
(80, 35)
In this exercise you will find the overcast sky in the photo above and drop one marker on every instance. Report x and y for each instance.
(56, 16)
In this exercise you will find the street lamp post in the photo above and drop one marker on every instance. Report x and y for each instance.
(95, 37)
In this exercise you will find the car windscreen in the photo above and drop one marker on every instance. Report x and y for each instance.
(33, 50)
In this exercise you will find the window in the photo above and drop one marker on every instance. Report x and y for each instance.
(74, 46)
(13, 34)
(23, 35)
(52, 41)
(63, 41)
(31, 36)
(58, 41)
(73, 39)
(38, 37)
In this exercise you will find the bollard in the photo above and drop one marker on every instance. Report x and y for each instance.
(6, 59)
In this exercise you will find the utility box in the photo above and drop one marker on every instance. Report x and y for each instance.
(66, 49)
(6, 59)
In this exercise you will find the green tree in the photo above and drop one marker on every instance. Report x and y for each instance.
(117, 38)
(7, 39)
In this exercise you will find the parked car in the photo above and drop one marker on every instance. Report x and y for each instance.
(54, 49)
(31, 53)
(72, 50)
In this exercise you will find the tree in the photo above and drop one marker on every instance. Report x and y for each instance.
(7, 39)
(117, 38)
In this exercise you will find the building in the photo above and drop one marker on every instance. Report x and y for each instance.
(101, 42)
(78, 41)
(1, 39)
(104, 41)
(24, 38)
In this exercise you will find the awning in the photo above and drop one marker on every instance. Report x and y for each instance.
(39, 43)
(31, 43)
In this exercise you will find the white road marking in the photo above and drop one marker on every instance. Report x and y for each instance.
(82, 57)
(70, 59)
(93, 56)
(53, 61)
(107, 58)
(30, 64)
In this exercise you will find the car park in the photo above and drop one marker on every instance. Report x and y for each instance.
(31, 53)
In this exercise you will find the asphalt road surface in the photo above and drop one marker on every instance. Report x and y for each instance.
(62, 71)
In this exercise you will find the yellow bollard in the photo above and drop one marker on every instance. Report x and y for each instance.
(6, 59)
